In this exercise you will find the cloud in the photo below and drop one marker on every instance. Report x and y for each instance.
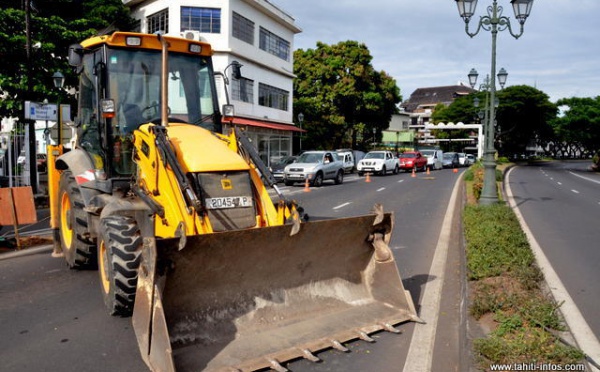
(424, 44)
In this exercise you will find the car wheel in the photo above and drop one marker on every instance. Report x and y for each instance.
(396, 170)
(318, 180)
(383, 171)
(360, 174)
(339, 178)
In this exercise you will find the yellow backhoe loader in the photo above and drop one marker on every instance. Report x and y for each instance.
(176, 215)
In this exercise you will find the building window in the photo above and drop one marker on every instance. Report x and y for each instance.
(272, 97)
(158, 22)
(243, 28)
(271, 43)
(242, 90)
(206, 20)
(137, 26)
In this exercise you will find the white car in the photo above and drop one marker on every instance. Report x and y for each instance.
(470, 159)
(315, 166)
(379, 162)
(462, 159)
(434, 158)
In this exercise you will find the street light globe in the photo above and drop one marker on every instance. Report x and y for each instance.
(473, 77)
(59, 79)
(502, 75)
(466, 8)
(522, 9)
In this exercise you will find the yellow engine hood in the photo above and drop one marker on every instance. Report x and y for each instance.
(199, 150)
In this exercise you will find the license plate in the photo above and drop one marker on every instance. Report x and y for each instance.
(228, 202)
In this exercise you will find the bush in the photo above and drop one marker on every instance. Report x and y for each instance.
(505, 282)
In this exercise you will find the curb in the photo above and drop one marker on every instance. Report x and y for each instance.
(27, 252)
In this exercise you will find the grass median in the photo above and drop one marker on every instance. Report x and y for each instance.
(506, 293)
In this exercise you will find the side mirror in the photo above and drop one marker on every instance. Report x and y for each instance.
(236, 70)
(75, 55)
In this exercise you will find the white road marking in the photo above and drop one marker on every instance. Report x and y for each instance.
(585, 178)
(575, 191)
(582, 332)
(400, 181)
(381, 189)
(342, 205)
(420, 352)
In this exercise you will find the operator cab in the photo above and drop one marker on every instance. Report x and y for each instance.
(120, 88)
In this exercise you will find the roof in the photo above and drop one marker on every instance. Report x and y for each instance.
(434, 95)
(266, 124)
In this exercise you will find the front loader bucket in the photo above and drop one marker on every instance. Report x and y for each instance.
(252, 299)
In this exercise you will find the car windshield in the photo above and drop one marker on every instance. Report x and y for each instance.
(448, 155)
(374, 155)
(308, 157)
(285, 160)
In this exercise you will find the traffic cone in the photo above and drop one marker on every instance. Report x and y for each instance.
(368, 179)
(414, 172)
(428, 171)
(455, 170)
(306, 185)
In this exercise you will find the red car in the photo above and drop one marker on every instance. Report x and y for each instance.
(412, 160)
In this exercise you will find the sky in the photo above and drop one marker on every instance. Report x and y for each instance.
(423, 43)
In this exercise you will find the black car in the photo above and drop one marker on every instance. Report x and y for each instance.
(450, 160)
(277, 168)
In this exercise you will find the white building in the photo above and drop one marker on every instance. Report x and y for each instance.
(255, 33)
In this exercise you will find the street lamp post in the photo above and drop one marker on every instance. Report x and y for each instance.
(300, 120)
(485, 87)
(493, 22)
(59, 79)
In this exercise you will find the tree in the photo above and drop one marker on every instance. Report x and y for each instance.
(54, 25)
(343, 98)
(523, 116)
(577, 130)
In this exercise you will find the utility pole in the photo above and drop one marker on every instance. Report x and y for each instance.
(30, 123)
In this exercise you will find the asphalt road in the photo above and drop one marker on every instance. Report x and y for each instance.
(560, 201)
(53, 318)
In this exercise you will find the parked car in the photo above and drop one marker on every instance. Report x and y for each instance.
(379, 162)
(410, 160)
(450, 160)
(317, 166)
(471, 159)
(434, 158)
(278, 167)
(42, 162)
(21, 159)
(348, 159)
(462, 159)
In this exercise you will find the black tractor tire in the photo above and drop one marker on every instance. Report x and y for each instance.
(78, 248)
(119, 249)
